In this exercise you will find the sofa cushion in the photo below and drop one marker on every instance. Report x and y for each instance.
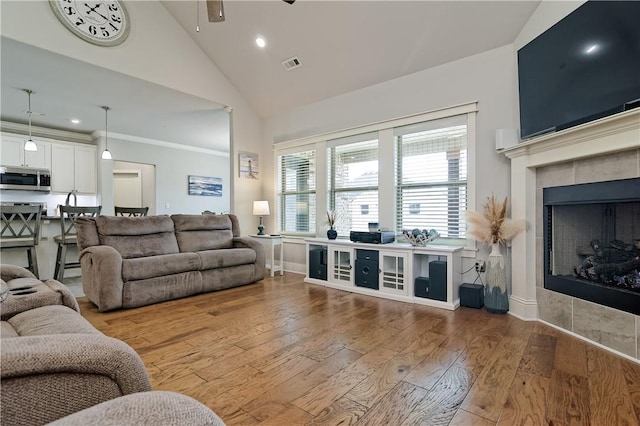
(203, 232)
(225, 258)
(156, 266)
(6, 330)
(138, 236)
(160, 289)
(53, 319)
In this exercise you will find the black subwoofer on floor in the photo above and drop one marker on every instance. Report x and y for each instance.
(472, 295)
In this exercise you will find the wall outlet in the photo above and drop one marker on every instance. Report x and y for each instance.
(481, 266)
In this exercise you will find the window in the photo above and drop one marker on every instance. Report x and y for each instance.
(431, 176)
(353, 181)
(296, 193)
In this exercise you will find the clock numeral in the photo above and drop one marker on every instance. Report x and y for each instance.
(69, 10)
(113, 7)
(113, 26)
(79, 21)
(66, 1)
(115, 18)
(93, 30)
(105, 33)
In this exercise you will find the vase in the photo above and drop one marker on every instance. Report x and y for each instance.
(332, 234)
(496, 299)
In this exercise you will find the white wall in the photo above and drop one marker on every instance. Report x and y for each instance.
(488, 78)
(173, 166)
(157, 50)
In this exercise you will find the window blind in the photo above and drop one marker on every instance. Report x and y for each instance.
(353, 181)
(431, 176)
(296, 193)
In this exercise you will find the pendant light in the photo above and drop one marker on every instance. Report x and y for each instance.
(30, 145)
(106, 154)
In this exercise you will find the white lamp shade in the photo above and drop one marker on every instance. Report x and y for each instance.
(30, 146)
(106, 154)
(261, 208)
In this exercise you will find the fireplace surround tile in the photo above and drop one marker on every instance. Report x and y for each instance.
(554, 308)
(555, 175)
(609, 327)
(621, 165)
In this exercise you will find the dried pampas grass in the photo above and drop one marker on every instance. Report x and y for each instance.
(492, 226)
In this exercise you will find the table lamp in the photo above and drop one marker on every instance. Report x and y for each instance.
(261, 208)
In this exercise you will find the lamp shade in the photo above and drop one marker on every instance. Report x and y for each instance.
(261, 208)
(30, 146)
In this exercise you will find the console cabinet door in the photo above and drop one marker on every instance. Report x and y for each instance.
(394, 272)
(341, 265)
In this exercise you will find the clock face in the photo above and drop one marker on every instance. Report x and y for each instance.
(105, 23)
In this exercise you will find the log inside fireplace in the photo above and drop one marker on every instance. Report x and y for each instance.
(592, 242)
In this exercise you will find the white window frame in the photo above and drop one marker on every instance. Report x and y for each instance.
(386, 149)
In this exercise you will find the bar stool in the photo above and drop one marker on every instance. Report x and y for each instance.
(131, 211)
(21, 231)
(68, 215)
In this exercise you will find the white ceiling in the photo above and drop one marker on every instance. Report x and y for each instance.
(66, 88)
(343, 45)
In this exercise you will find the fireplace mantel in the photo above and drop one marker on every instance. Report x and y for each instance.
(617, 133)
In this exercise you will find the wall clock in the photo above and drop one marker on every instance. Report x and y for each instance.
(103, 23)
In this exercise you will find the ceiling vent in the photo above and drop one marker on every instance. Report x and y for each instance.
(291, 63)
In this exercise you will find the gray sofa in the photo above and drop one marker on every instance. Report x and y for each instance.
(135, 261)
(53, 361)
(56, 367)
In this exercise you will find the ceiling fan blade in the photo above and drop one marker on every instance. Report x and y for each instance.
(215, 10)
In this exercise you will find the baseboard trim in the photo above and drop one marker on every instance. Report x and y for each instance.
(526, 310)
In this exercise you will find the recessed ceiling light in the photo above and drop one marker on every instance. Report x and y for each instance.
(591, 49)
(261, 42)
(75, 121)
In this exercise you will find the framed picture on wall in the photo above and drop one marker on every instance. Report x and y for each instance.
(205, 185)
(248, 164)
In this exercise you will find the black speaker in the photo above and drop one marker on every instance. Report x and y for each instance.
(434, 287)
(367, 273)
(318, 263)
(472, 295)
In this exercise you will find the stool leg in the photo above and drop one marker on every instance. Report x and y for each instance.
(33, 261)
(58, 253)
(63, 261)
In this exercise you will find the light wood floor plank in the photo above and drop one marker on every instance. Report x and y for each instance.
(283, 352)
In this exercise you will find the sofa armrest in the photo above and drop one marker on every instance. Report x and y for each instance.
(47, 377)
(247, 242)
(145, 409)
(9, 272)
(102, 276)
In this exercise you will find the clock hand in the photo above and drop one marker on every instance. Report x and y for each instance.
(93, 9)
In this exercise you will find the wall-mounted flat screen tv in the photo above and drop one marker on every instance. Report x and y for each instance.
(585, 67)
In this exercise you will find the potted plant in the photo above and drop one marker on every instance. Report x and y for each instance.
(332, 234)
(492, 227)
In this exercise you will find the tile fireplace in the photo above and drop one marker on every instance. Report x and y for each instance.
(597, 152)
(591, 238)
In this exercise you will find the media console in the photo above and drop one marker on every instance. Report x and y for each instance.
(387, 270)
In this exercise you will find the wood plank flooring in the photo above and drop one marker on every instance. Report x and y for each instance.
(283, 352)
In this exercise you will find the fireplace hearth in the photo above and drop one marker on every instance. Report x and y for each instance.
(592, 242)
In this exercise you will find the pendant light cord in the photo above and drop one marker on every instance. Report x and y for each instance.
(29, 112)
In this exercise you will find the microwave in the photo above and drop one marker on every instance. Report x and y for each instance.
(25, 178)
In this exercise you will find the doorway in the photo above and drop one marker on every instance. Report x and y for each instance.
(134, 185)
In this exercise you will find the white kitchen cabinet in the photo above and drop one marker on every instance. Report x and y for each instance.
(73, 168)
(13, 153)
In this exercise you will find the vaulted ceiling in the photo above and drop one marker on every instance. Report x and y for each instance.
(343, 45)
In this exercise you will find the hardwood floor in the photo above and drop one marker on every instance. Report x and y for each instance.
(282, 352)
